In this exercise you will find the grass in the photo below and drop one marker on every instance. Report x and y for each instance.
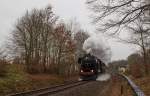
(143, 81)
(118, 87)
(17, 80)
(44, 80)
(144, 84)
(13, 81)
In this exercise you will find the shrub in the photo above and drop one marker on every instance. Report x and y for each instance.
(3, 68)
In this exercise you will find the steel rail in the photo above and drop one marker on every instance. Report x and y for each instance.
(60, 89)
(41, 91)
(135, 88)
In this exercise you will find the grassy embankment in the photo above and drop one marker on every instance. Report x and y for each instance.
(117, 87)
(141, 80)
(17, 80)
(144, 84)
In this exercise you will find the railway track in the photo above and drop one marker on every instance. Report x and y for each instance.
(51, 90)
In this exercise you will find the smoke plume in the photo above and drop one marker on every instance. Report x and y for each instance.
(99, 47)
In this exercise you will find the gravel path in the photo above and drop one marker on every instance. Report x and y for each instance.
(92, 88)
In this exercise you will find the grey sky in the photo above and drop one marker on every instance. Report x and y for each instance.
(11, 10)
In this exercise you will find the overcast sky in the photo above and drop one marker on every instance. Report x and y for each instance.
(11, 10)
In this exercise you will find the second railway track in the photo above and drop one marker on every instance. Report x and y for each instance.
(51, 90)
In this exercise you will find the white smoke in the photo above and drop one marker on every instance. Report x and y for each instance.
(98, 47)
(103, 77)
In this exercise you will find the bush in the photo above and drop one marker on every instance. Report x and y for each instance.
(3, 68)
(136, 70)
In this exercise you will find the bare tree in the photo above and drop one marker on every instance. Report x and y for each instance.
(3, 64)
(31, 36)
(79, 38)
(43, 44)
(140, 37)
(135, 62)
(115, 15)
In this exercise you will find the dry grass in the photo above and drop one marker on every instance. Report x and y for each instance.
(144, 84)
(17, 80)
(44, 80)
(118, 87)
(115, 87)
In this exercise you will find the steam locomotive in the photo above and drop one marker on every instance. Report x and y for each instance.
(90, 67)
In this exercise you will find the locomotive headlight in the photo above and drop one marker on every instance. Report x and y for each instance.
(81, 70)
(92, 70)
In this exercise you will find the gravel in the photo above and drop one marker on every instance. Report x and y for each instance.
(93, 88)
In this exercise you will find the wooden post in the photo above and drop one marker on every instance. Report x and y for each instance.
(121, 90)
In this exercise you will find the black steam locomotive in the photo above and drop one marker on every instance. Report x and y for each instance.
(90, 67)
